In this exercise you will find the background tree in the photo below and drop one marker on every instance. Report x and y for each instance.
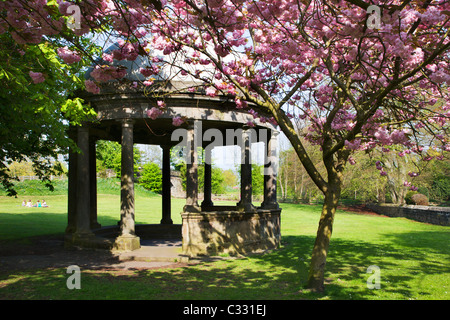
(230, 179)
(109, 156)
(32, 110)
(151, 177)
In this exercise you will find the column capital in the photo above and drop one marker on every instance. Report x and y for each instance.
(166, 146)
(126, 123)
(274, 135)
(83, 128)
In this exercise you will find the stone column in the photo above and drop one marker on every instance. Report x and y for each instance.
(83, 228)
(246, 172)
(270, 172)
(207, 187)
(127, 239)
(93, 184)
(191, 172)
(166, 186)
(72, 185)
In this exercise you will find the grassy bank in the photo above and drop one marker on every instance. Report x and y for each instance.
(413, 259)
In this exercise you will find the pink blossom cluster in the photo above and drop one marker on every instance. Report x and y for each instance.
(67, 55)
(149, 71)
(379, 167)
(37, 77)
(284, 56)
(155, 112)
(106, 73)
(91, 87)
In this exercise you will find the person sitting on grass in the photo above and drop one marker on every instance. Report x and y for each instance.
(29, 203)
(44, 204)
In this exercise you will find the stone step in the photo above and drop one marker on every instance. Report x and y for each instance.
(154, 254)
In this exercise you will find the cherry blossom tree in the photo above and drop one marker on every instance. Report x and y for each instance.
(324, 63)
(360, 74)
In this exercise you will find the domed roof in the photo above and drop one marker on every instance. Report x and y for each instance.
(169, 69)
(132, 67)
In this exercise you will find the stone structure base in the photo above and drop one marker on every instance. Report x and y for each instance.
(230, 232)
(126, 243)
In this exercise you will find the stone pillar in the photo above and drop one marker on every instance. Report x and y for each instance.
(246, 172)
(191, 172)
(83, 228)
(93, 184)
(207, 187)
(166, 186)
(72, 185)
(127, 240)
(270, 172)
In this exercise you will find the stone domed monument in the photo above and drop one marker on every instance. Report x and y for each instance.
(136, 110)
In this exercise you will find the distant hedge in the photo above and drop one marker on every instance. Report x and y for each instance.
(38, 188)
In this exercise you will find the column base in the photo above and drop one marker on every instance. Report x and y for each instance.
(95, 225)
(166, 221)
(126, 243)
(270, 205)
(79, 237)
(207, 203)
(245, 207)
(191, 208)
(86, 240)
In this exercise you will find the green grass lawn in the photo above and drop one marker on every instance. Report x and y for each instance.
(413, 259)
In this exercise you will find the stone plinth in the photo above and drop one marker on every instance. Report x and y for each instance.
(126, 243)
(232, 232)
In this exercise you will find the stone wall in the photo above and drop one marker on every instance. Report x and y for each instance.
(427, 214)
(231, 232)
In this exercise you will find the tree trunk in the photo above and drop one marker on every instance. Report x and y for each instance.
(320, 250)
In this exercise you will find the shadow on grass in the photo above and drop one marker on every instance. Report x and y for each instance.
(278, 275)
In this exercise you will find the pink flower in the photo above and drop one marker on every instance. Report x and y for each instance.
(154, 113)
(147, 72)
(240, 104)
(91, 87)
(379, 165)
(177, 121)
(383, 173)
(211, 91)
(354, 145)
(161, 104)
(107, 57)
(250, 124)
(67, 55)
(106, 73)
(37, 77)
